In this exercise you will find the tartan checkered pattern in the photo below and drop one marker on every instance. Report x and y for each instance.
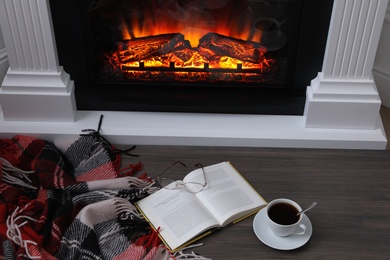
(71, 205)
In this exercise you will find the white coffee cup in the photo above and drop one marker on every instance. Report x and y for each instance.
(282, 218)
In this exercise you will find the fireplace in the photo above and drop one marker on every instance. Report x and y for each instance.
(37, 96)
(225, 56)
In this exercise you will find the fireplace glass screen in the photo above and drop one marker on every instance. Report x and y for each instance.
(234, 42)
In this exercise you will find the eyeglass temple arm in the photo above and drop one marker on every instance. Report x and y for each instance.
(173, 164)
(204, 173)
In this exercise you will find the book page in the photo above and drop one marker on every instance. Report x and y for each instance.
(228, 196)
(178, 213)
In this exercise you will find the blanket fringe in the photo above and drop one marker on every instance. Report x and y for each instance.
(130, 170)
(146, 184)
(8, 170)
(150, 240)
(179, 255)
(15, 222)
(126, 210)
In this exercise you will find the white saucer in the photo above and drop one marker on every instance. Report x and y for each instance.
(266, 236)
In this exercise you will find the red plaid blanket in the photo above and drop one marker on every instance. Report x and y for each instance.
(70, 205)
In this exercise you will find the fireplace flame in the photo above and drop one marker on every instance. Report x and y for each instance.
(192, 23)
(179, 42)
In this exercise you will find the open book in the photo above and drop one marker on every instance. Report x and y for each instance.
(183, 217)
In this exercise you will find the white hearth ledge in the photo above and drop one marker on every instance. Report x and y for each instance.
(143, 128)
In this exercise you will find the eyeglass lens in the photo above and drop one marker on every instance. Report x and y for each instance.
(170, 184)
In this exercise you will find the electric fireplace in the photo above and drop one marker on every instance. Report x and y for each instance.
(223, 56)
(37, 95)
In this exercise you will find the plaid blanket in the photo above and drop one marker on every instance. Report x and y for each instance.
(73, 205)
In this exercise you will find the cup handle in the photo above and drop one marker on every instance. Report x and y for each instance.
(301, 230)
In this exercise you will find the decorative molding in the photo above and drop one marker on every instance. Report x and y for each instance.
(35, 87)
(3, 64)
(345, 85)
(29, 41)
(354, 37)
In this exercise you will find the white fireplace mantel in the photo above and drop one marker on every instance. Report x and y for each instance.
(342, 108)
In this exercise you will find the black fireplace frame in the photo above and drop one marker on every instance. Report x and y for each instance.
(72, 39)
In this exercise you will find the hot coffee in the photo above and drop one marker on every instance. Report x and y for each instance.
(283, 213)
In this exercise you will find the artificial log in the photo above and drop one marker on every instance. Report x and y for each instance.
(236, 48)
(147, 47)
(184, 54)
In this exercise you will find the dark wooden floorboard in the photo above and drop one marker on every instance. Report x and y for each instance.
(352, 188)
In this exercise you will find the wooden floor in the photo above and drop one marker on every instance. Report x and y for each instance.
(385, 115)
(351, 220)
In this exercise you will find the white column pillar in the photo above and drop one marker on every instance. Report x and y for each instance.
(344, 94)
(35, 88)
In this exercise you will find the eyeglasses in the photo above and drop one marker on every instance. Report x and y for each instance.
(193, 187)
